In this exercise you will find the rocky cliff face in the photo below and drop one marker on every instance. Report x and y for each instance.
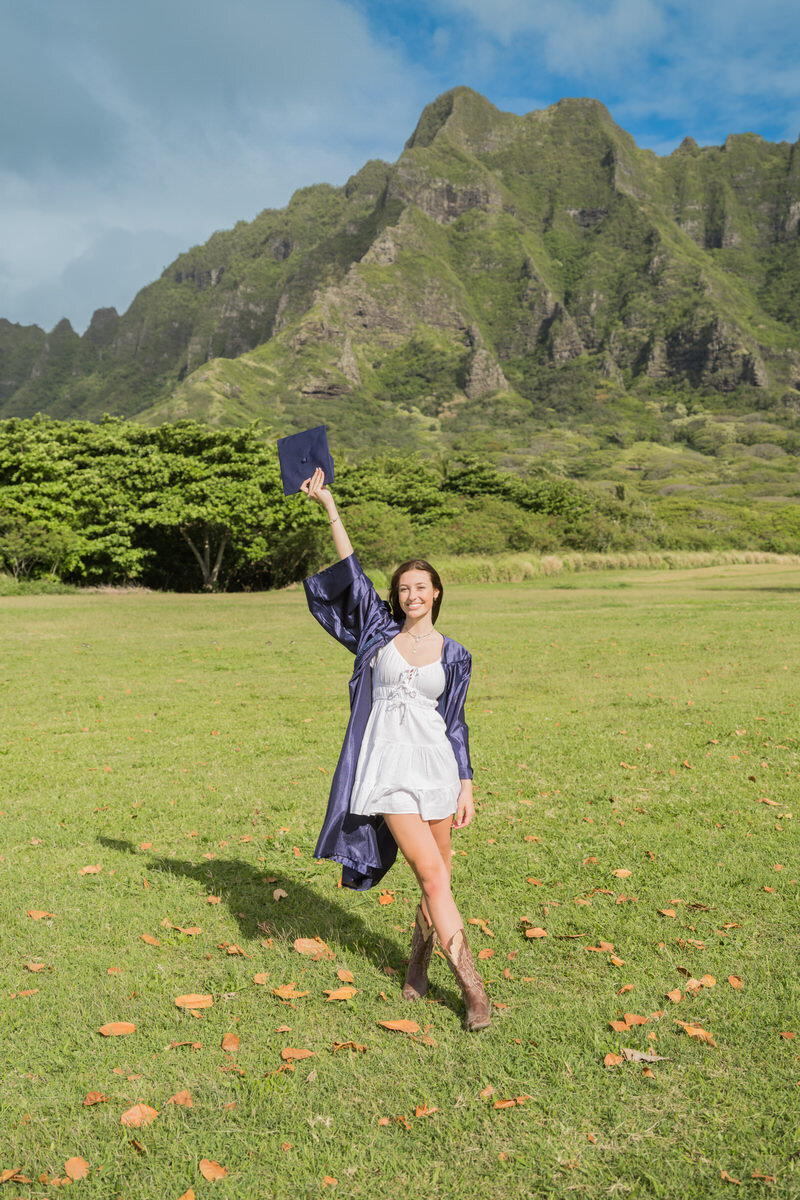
(503, 245)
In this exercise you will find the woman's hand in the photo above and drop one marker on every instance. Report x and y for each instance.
(315, 489)
(465, 810)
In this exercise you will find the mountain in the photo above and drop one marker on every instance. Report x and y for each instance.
(507, 276)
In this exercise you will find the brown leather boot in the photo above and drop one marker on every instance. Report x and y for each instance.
(422, 944)
(459, 959)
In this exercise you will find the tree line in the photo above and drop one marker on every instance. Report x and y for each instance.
(183, 506)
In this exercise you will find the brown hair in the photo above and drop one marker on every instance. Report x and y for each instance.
(414, 564)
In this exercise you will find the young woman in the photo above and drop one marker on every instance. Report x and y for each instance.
(404, 772)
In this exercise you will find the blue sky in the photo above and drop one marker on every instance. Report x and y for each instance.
(132, 130)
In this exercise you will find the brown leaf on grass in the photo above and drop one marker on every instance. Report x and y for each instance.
(213, 899)
(117, 1029)
(342, 993)
(232, 948)
(280, 894)
(487, 1092)
(150, 940)
(345, 976)
(728, 1178)
(616, 961)
(314, 947)
(789, 1036)
(337, 1046)
(194, 1045)
(7, 1174)
(619, 1026)
(288, 991)
(94, 1098)
(211, 1170)
(138, 1116)
(183, 1099)
(676, 995)
(626, 987)
(289, 1054)
(194, 1000)
(537, 932)
(76, 1168)
(603, 948)
(487, 952)
(764, 1178)
(93, 870)
(34, 967)
(613, 1060)
(512, 1102)
(261, 977)
(36, 914)
(401, 1026)
(707, 981)
(329, 1181)
(231, 1043)
(622, 872)
(386, 897)
(189, 1195)
(694, 1031)
(668, 912)
(631, 1055)
(735, 982)
(422, 1110)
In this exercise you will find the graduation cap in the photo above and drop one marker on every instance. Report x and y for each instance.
(300, 454)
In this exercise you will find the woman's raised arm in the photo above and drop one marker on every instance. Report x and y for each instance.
(315, 489)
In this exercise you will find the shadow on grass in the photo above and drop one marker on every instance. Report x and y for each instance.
(303, 913)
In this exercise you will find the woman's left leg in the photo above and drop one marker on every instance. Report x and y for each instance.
(423, 941)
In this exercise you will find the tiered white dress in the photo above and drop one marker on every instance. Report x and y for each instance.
(406, 763)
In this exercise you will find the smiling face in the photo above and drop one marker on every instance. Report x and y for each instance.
(416, 594)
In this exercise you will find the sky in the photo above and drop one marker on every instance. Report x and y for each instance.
(130, 131)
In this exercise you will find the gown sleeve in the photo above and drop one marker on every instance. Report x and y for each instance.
(451, 707)
(346, 604)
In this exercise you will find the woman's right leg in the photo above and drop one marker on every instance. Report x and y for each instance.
(420, 848)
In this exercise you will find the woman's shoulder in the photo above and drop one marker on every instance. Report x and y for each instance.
(454, 652)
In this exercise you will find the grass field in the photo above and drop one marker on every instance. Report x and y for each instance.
(164, 769)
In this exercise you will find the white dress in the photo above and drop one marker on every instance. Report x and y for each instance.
(406, 763)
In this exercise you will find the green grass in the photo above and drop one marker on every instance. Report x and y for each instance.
(185, 745)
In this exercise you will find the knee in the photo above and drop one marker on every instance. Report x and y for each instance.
(434, 879)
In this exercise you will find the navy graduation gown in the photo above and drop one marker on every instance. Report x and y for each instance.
(346, 604)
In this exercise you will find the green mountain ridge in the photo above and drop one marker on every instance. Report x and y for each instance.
(533, 288)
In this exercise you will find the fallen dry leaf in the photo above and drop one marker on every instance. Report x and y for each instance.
(76, 1168)
(36, 914)
(289, 1054)
(189, 1195)
(261, 977)
(676, 995)
(511, 1102)
(346, 976)
(631, 1055)
(138, 1116)
(117, 1029)
(735, 982)
(728, 1178)
(314, 947)
(386, 898)
(694, 1031)
(342, 993)
(422, 1110)
(622, 872)
(280, 894)
(150, 940)
(613, 1060)
(288, 991)
(213, 899)
(94, 1098)
(231, 1043)
(337, 1046)
(34, 967)
(183, 1099)
(602, 948)
(487, 1092)
(93, 870)
(194, 1001)
(486, 953)
(536, 933)
(626, 987)
(401, 1026)
(668, 912)
(210, 1169)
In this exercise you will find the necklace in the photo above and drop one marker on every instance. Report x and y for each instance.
(417, 638)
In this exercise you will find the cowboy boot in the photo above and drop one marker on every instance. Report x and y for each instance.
(422, 944)
(459, 960)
